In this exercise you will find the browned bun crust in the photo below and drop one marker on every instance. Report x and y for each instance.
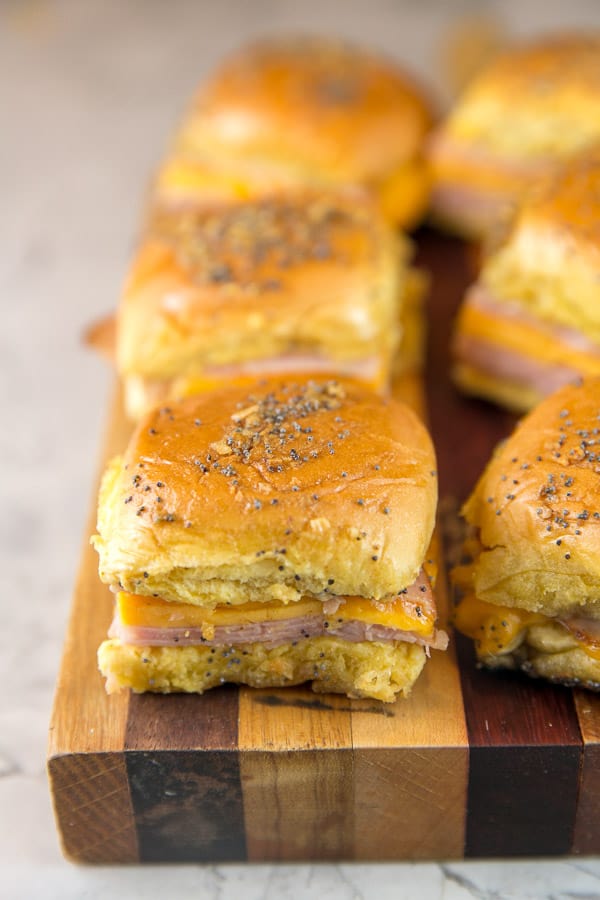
(320, 273)
(566, 204)
(537, 508)
(317, 104)
(294, 488)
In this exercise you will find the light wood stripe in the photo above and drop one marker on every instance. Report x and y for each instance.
(87, 728)
(296, 773)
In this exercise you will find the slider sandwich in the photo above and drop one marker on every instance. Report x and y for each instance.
(287, 114)
(531, 322)
(531, 591)
(318, 282)
(529, 110)
(271, 536)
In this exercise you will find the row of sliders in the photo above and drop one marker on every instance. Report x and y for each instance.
(276, 530)
(269, 523)
(517, 164)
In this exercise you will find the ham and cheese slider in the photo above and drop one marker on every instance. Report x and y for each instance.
(285, 114)
(317, 282)
(532, 588)
(529, 109)
(531, 322)
(271, 537)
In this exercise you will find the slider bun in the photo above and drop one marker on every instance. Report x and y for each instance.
(537, 100)
(537, 508)
(312, 105)
(529, 109)
(295, 488)
(319, 273)
(550, 258)
(365, 669)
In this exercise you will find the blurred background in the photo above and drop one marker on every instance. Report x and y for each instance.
(89, 94)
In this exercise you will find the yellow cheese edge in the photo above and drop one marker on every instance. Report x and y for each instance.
(525, 339)
(498, 629)
(403, 194)
(153, 612)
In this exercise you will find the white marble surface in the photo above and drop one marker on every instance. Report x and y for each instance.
(88, 93)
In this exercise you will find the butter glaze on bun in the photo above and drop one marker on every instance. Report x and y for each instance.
(295, 488)
(532, 588)
(316, 281)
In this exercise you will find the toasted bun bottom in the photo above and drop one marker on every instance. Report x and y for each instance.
(549, 651)
(513, 395)
(366, 669)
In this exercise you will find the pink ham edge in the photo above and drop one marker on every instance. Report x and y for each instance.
(583, 629)
(498, 362)
(478, 209)
(273, 634)
(296, 362)
(477, 212)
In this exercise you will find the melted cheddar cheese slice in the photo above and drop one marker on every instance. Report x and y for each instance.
(402, 195)
(500, 629)
(495, 629)
(150, 612)
(189, 385)
(528, 339)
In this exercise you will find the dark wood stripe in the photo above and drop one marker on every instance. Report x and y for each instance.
(465, 430)
(525, 760)
(187, 800)
(525, 744)
(587, 824)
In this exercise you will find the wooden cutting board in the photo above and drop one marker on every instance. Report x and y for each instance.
(473, 764)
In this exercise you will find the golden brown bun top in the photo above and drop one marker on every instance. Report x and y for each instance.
(323, 103)
(540, 99)
(568, 202)
(537, 506)
(317, 272)
(312, 476)
(253, 244)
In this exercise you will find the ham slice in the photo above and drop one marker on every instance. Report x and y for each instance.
(480, 297)
(505, 364)
(476, 211)
(416, 599)
(272, 634)
(297, 362)
(459, 193)
(583, 629)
